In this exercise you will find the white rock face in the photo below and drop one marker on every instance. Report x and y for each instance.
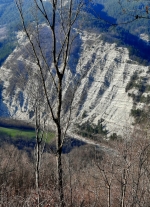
(105, 83)
(145, 37)
(101, 94)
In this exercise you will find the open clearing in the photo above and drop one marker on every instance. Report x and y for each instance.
(25, 134)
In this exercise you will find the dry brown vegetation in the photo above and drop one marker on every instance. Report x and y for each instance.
(92, 178)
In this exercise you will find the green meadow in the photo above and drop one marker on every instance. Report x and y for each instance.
(24, 134)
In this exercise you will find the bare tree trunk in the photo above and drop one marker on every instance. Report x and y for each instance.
(37, 151)
(59, 168)
(123, 188)
(37, 171)
(59, 144)
(39, 148)
(60, 179)
(108, 196)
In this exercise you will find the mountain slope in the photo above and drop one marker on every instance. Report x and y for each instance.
(101, 93)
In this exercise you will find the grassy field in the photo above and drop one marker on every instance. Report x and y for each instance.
(25, 134)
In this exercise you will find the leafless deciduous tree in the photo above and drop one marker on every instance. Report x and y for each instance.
(39, 147)
(52, 64)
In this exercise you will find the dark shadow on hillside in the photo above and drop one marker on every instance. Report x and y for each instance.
(69, 145)
(97, 11)
(15, 124)
(3, 108)
(139, 49)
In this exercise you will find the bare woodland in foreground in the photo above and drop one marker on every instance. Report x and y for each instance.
(91, 177)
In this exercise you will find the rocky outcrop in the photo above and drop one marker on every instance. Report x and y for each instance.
(102, 92)
(103, 70)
